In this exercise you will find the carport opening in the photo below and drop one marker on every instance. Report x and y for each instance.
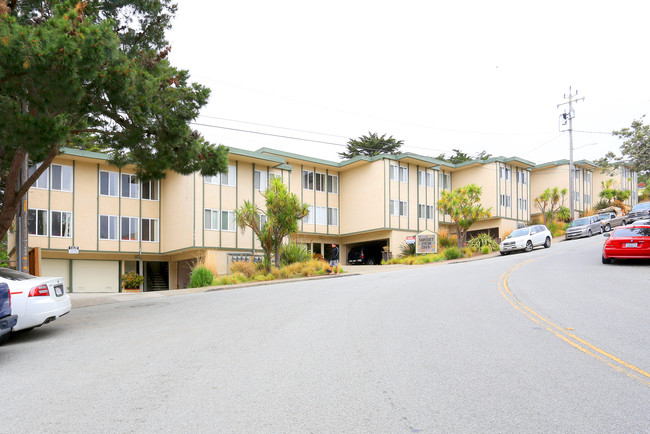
(372, 252)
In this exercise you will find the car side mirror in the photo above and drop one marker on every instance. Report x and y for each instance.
(607, 235)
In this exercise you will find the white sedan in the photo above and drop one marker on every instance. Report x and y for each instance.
(36, 300)
(526, 238)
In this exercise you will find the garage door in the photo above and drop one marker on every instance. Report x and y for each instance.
(57, 268)
(95, 276)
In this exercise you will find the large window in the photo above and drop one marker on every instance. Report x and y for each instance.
(43, 180)
(404, 174)
(319, 180)
(211, 219)
(61, 177)
(260, 180)
(108, 227)
(151, 190)
(523, 204)
(61, 225)
(228, 221)
(307, 180)
(332, 184)
(149, 230)
(108, 183)
(229, 178)
(505, 200)
(333, 216)
(425, 179)
(130, 228)
(130, 186)
(445, 181)
(522, 177)
(37, 221)
(505, 173)
(425, 212)
(393, 173)
(399, 207)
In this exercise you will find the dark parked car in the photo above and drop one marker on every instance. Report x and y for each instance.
(368, 255)
(7, 320)
(639, 211)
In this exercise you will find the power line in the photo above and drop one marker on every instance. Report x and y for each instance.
(592, 132)
(274, 126)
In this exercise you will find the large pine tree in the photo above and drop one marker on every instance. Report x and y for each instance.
(372, 145)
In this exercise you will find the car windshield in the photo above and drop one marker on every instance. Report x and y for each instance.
(603, 216)
(580, 222)
(9, 274)
(519, 233)
(639, 206)
(627, 232)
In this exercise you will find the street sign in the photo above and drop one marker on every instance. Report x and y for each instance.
(410, 240)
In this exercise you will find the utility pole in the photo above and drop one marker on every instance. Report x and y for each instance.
(569, 117)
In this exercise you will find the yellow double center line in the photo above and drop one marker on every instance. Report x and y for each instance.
(573, 340)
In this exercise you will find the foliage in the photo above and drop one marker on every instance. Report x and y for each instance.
(483, 240)
(318, 257)
(290, 253)
(452, 253)
(635, 150)
(486, 249)
(557, 228)
(132, 280)
(297, 269)
(201, 276)
(95, 76)
(415, 260)
(549, 202)
(247, 268)
(407, 249)
(611, 194)
(467, 252)
(461, 157)
(372, 145)
(283, 210)
(563, 214)
(4, 254)
(601, 204)
(644, 194)
(445, 240)
(463, 206)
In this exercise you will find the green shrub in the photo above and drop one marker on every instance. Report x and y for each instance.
(452, 253)
(445, 240)
(485, 250)
(247, 268)
(483, 240)
(132, 280)
(557, 229)
(201, 277)
(467, 252)
(292, 253)
(407, 249)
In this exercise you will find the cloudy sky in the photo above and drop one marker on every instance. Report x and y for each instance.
(469, 75)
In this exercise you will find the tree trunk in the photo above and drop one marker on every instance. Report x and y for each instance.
(459, 239)
(277, 255)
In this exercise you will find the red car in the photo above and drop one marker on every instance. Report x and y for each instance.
(627, 242)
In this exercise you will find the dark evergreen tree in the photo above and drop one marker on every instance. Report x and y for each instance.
(372, 145)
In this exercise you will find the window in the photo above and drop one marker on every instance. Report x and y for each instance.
(130, 186)
(307, 180)
(309, 218)
(393, 172)
(445, 181)
(61, 224)
(587, 199)
(108, 227)
(150, 230)
(320, 181)
(332, 184)
(321, 215)
(262, 220)
(61, 177)
(272, 176)
(505, 200)
(107, 183)
(425, 179)
(130, 228)
(399, 207)
(37, 221)
(425, 212)
(523, 204)
(228, 221)
(522, 177)
(150, 190)
(260, 180)
(228, 178)
(211, 219)
(333, 216)
(43, 180)
(505, 173)
(404, 174)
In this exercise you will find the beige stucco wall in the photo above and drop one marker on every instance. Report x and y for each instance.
(362, 198)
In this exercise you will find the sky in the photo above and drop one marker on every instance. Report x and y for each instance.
(469, 75)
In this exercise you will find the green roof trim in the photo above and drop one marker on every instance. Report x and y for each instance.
(499, 159)
(256, 154)
(82, 153)
(271, 151)
(565, 162)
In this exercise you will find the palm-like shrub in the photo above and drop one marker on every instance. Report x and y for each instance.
(292, 253)
(483, 240)
(407, 249)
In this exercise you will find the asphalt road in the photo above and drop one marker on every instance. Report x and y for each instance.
(548, 341)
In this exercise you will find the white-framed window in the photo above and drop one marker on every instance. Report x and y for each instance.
(228, 222)
(445, 181)
(228, 178)
(522, 177)
(587, 199)
(43, 180)
(211, 219)
(129, 229)
(332, 184)
(505, 200)
(399, 207)
(151, 190)
(61, 224)
(309, 218)
(393, 172)
(333, 216)
(149, 229)
(425, 212)
(262, 220)
(60, 177)
(108, 182)
(404, 174)
(273, 175)
(319, 181)
(321, 215)
(108, 227)
(37, 221)
(523, 204)
(576, 195)
(260, 180)
(425, 179)
(505, 173)
(130, 186)
(307, 179)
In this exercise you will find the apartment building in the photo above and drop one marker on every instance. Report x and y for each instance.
(91, 222)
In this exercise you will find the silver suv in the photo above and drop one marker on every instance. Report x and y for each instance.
(584, 227)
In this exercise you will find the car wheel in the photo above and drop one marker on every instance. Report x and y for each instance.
(503, 253)
(608, 227)
(589, 233)
(370, 262)
(623, 223)
(606, 260)
(529, 246)
(4, 338)
(547, 243)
